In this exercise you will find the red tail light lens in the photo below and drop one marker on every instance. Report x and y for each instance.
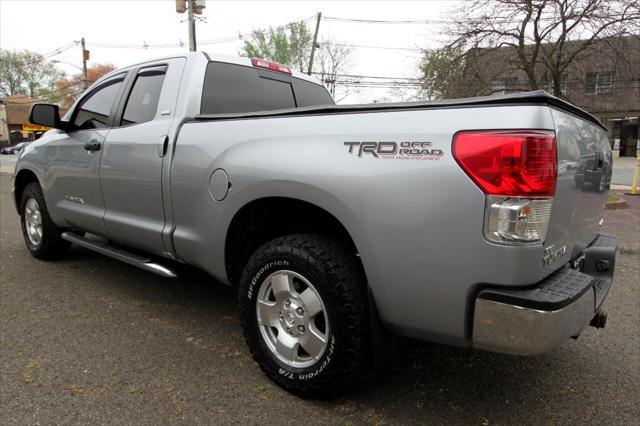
(510, 162)
(273, 66)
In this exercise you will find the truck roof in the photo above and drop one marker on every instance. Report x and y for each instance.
(216, 57)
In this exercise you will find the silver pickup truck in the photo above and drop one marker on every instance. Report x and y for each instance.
(471, 222)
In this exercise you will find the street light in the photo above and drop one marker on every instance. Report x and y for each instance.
(56, 61)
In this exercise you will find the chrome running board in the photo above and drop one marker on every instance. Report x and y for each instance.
(141, 262)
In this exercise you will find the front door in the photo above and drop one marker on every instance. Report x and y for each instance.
(133, 156)
(73, 159)
(628, 138)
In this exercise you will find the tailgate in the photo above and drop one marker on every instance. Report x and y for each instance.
(584, 174)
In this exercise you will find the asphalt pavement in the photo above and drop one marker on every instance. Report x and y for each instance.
(623, 170)
(90, 340)
(8, 163)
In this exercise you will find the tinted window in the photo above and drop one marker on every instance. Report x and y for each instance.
(93, 111)
(310, 94)
(143, 100)
(232, 88)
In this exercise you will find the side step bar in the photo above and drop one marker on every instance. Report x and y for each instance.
(122, 255)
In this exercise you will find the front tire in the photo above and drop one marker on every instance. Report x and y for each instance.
(303, 305)
(41, 235)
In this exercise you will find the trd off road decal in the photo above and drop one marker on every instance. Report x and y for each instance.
(395, 150)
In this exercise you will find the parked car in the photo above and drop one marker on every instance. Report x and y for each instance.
(16, 136)
(15, 149)
(595, 169)
(339, 226)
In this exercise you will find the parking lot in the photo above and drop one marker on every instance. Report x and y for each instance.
(91, 340)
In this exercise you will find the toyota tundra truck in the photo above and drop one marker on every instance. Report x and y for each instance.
(340, 226)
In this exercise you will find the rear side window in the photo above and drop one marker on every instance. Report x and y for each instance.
(232, 88)
(142, 104)
(311, 94)
(93, 111)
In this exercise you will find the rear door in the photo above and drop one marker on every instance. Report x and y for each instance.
(584, 174)
(133, 156)
(73, 158)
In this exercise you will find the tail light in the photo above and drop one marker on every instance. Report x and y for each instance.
(517, 170)
(272, 66)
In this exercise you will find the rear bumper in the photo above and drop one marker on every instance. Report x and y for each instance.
(537, 319)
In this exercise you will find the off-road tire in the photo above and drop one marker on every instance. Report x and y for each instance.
(52, 246)
(337, 275)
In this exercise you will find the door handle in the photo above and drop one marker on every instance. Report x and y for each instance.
(162, 147)
(94, 145)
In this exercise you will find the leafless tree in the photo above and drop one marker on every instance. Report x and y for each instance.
(333, 61)
(544, 36)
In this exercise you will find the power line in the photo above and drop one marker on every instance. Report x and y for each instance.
(376, 84)
(58, 92)
(180, 44)
(66, 86)
(241, 35)
(387, 21)
(378, 87)
(51, 96)
(368, 76)
(505, 20)
(59, 50)
(51, 54)
(412, 49)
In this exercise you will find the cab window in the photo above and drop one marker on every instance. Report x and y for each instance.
(142, 104)
(94, 109)
(230, 88)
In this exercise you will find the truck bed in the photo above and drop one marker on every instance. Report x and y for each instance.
(538, 97)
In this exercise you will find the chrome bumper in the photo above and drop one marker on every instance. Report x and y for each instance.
(534, 320)
(516, 330)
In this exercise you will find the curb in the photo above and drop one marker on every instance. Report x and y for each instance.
(620, 187)
(616, 205)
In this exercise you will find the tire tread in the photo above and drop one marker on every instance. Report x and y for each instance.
(349, 289)
(52, 245)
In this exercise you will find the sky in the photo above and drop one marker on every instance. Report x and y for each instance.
(116, 31)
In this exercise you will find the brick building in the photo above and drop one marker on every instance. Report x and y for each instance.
(604, 80)
(14, 120)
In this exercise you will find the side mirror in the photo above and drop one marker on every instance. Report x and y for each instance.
(46, 115)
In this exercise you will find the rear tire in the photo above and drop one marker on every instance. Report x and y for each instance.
(303, 305)
(41, 235)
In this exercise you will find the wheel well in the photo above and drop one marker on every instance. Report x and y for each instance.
(24, 178)
(265, 219)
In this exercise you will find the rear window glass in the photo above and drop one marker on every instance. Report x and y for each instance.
(232, 88)
(311, 94)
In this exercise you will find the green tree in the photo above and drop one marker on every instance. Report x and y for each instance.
(441, 73)
(26, 73)
(289, 44)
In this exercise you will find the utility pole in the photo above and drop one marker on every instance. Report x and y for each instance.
(85, 58)
(315, 42)
(192, 7)
(192, 25)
